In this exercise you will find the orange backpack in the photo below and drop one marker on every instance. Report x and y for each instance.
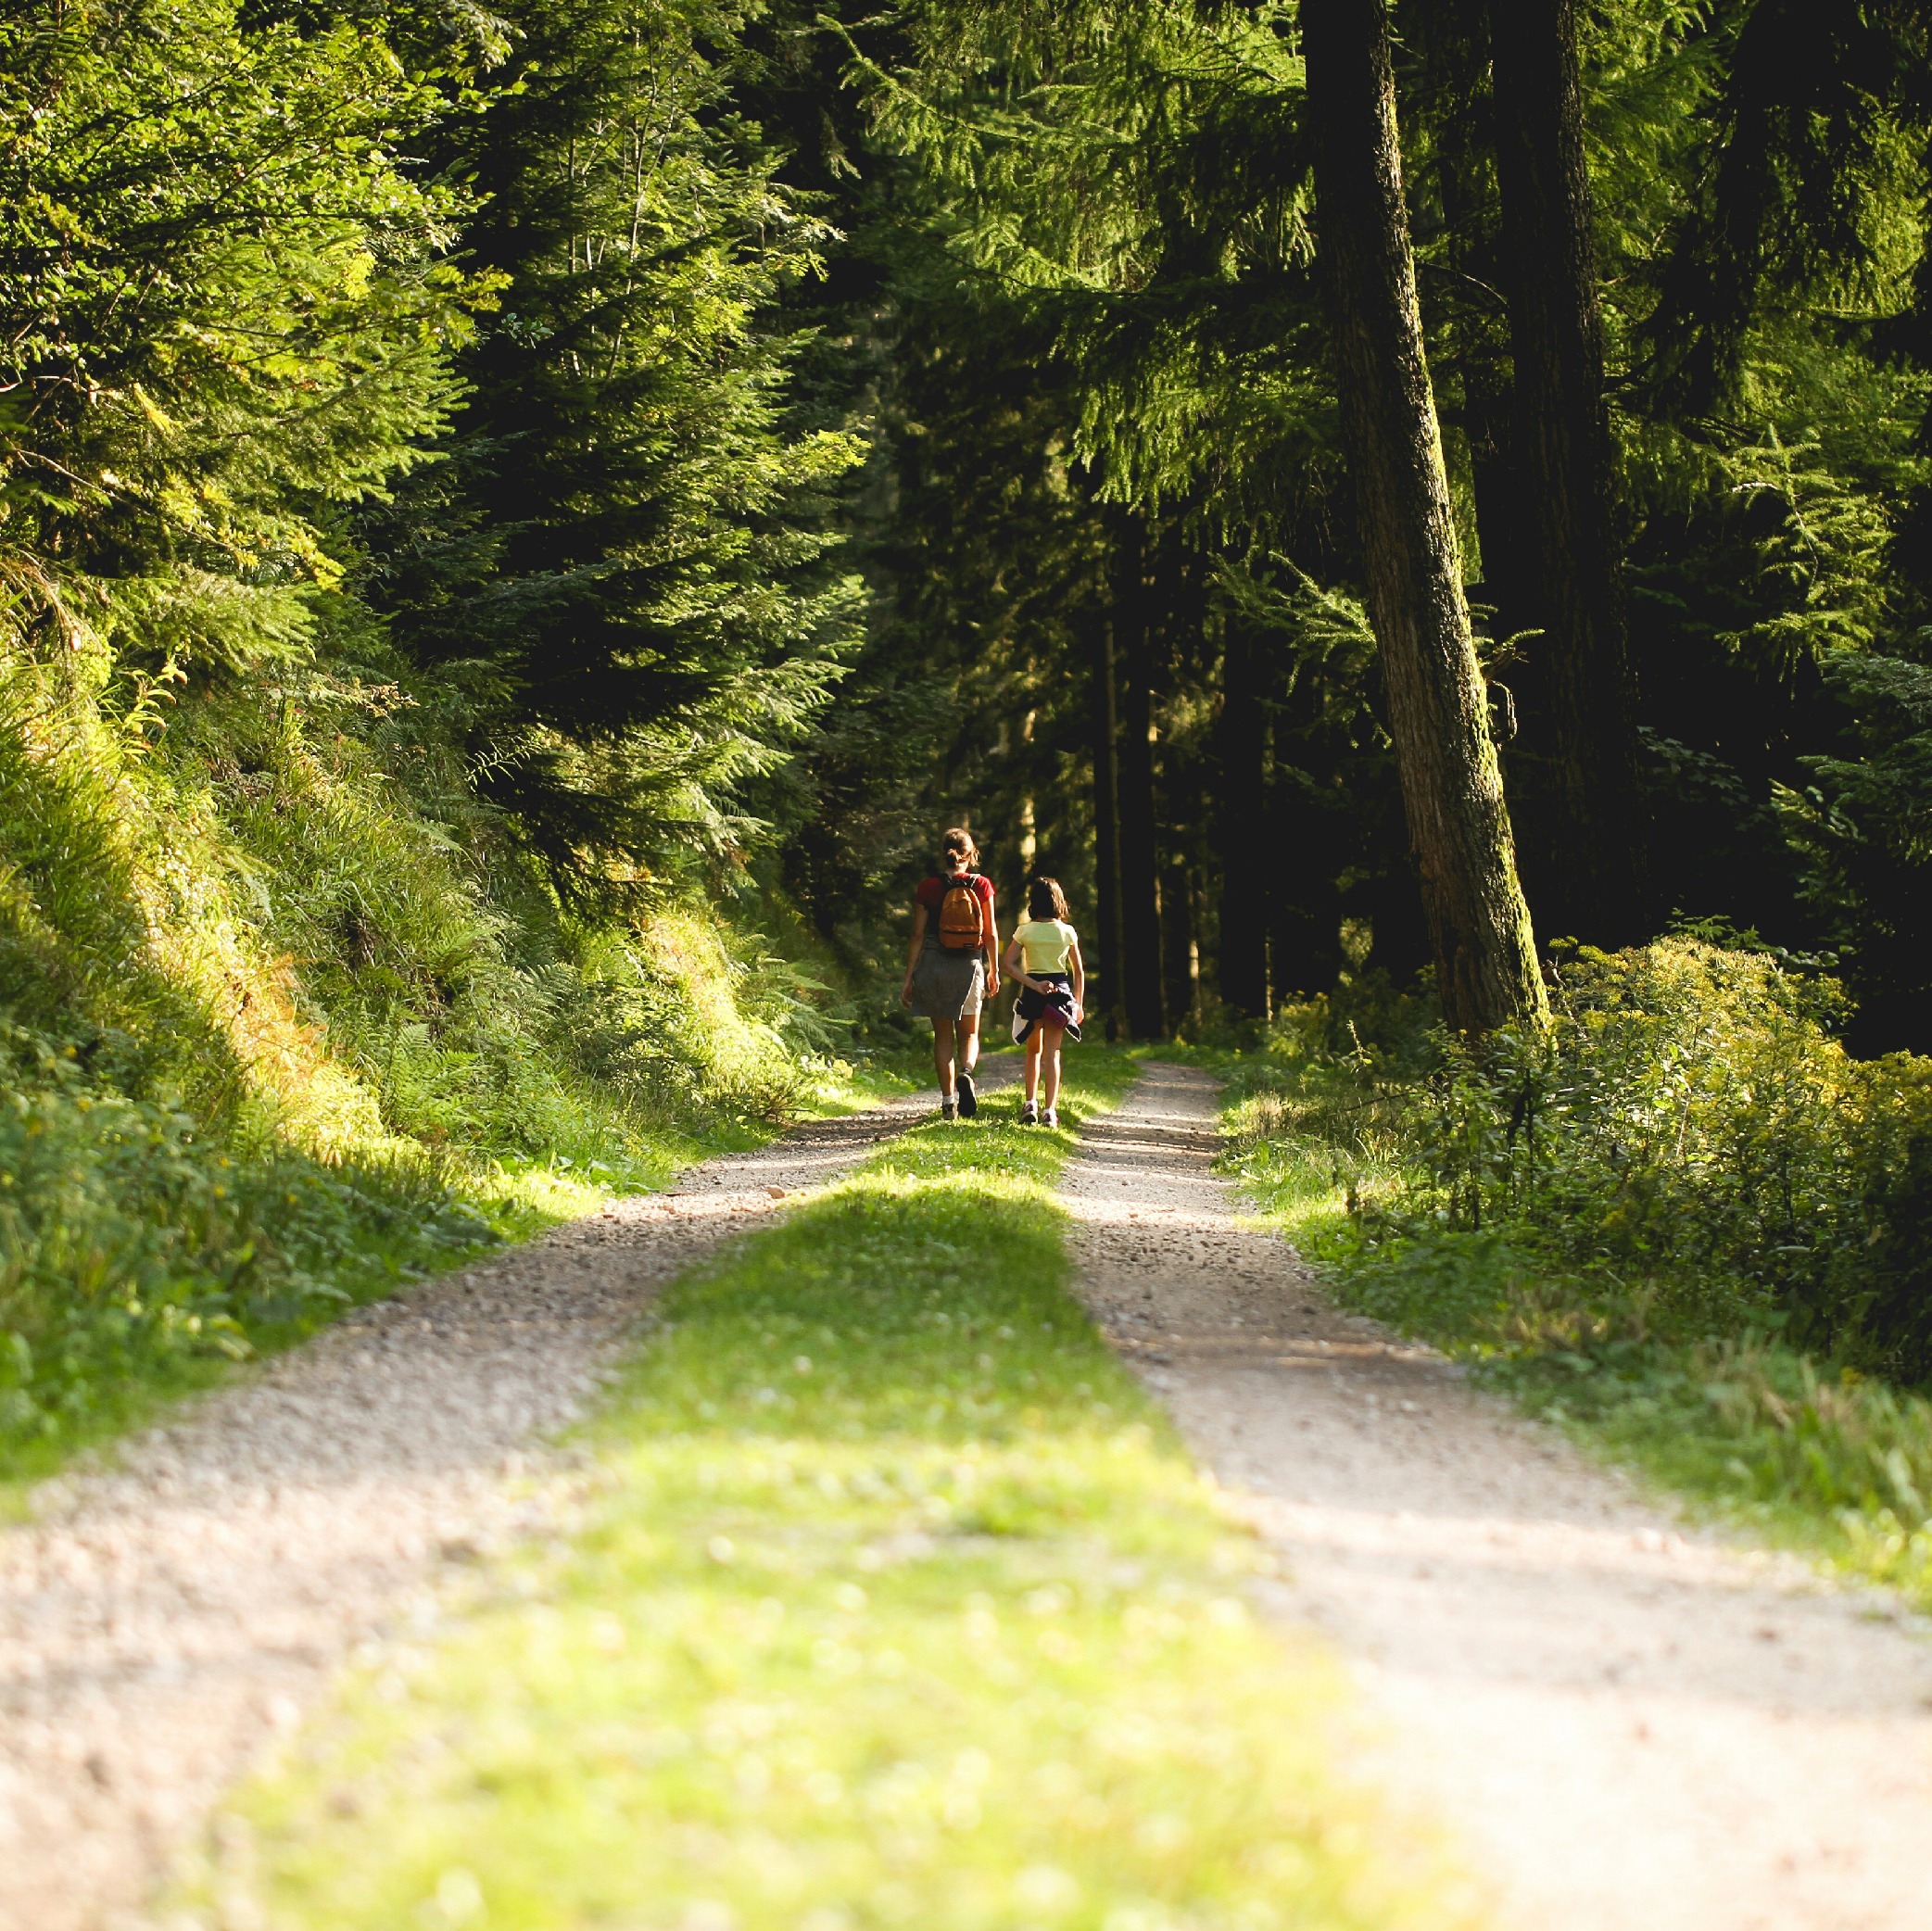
(962, 916)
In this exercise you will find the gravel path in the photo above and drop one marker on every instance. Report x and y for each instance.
(1629, 1725)
(159, 1622)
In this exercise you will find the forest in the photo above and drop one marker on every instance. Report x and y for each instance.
(520, 526)
(523, 527)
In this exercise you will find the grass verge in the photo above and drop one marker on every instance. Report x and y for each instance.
(141, 1261)
(894, 1602)
(1755, 1434)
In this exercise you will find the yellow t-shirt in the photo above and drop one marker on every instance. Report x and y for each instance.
(1045, 943)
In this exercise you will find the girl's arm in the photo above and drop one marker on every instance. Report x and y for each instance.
(1080, 981)
(1015, 963)
(992, 952)
(912, 952)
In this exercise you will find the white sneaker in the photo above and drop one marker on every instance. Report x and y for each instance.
(1050, 1118)
(1030, 1113)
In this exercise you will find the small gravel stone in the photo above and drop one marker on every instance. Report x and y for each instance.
(1630, 1727)
(165, 1618)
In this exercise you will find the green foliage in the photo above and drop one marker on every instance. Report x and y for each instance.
(224, 311)
(293, 1031)
(620, 563)
(407, 579)
(133, 1248)
(1684, 1221)
(1686, 1152)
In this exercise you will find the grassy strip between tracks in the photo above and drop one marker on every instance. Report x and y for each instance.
(894, 1602)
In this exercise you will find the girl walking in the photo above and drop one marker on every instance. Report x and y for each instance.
(1045, 958)
(952, 968)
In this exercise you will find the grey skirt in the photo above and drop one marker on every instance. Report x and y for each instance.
(948, 985)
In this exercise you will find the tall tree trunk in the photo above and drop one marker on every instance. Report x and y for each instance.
(1102, 954)
(1241, 742)
(1457, 52)
(1178, 962)
(1139, 891)
(1452, 790)
(1594, 886)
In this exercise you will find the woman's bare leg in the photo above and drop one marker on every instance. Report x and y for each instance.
(942, 1055)
(969, 1043)
(1035, 1039)
(1050, 1037)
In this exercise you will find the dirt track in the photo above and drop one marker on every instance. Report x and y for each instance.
(159, 1622)
(1627, 1726)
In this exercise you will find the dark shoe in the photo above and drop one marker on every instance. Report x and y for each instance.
(1030, 1113)
(968, 1099)
(949, 1106)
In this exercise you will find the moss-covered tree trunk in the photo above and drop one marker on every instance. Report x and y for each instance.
(1593, 833)
(1452, 789)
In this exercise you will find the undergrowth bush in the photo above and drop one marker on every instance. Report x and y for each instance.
(1687, 1146)
(132, 1247)
(269, 1016)
(1683, 1214)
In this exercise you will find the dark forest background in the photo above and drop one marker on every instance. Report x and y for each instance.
(744, 442)
(1115, 580)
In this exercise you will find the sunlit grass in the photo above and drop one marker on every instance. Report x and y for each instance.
(1750, 1434)
(521, 1198)
(362, 1234)
(894, 1602)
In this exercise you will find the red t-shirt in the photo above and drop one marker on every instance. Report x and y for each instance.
(931, 890)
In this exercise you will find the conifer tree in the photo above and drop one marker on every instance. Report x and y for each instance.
(1438, 716)
(622, 558)
(225, 312)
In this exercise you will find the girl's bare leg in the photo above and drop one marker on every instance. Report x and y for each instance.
(1050, 1038)
(1035, 1039)
(942, 1055)
(969, 1043)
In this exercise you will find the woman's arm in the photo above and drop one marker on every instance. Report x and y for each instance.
(1080, 981)
(912, 952)
(992, 952)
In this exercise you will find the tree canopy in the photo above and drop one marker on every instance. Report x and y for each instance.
(745, 439)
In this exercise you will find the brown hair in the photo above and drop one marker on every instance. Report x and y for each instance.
(957, 844)
(1046, 900)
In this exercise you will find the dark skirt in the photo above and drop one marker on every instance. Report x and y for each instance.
(948, 985)
(1032, 1007)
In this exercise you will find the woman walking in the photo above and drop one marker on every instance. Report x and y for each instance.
(952, 968)
(1045, 958)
